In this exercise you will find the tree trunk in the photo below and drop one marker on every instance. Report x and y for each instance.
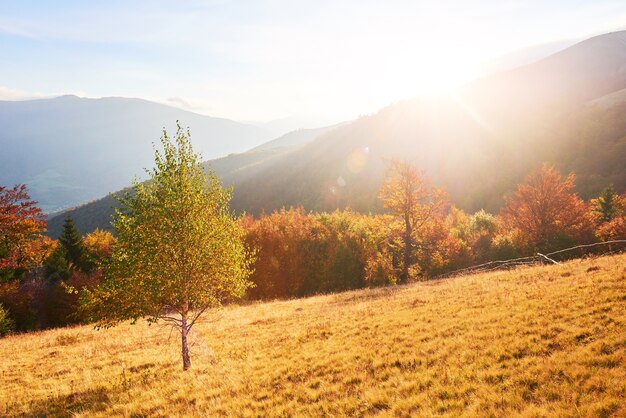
(185, 349)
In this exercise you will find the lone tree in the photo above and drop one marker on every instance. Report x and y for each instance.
(411, 198)
(178, 250)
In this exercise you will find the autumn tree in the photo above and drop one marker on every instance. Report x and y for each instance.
(407, 194)
(98, 246)
(22, 225)
(546, 211)
(301, 253)
(178, 250)
(482, 229)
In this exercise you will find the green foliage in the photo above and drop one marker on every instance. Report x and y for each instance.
(606, 206)
(72, 242)
(178, 247)
(57, 266)
(483, 228)
(7, 325)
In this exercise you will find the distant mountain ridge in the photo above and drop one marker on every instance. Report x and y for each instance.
(477, 143)
(70, 149)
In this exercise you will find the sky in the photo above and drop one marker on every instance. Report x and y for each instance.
(322, 61)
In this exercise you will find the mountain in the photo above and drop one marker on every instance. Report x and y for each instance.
(477, 143)
(525, 56)
(231, 170)
(297, 137)
(69, 150)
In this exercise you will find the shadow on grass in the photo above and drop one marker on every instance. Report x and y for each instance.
(92, 400)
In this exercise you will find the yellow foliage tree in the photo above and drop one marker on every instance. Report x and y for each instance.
(412, 200)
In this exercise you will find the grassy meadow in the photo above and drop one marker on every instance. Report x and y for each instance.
(541, 341)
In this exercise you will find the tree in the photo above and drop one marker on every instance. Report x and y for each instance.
(546, 211)
(413, 200)
(178, 252)
(98, 246)
(7, 325)
(482, 230)
(72, 242)
(609, 210)
(606, 206)
(22, 224)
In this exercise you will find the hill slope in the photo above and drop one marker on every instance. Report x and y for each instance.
(478, 143)
(70, 150)
(231, 170)
(543, 341)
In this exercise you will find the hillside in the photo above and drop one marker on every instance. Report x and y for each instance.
(296, 138)
(70, 150)
(231, 170)
(478, 143)
(542, 341)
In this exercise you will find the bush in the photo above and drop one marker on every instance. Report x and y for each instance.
(302, 254)
(6, 323)
(16, 298)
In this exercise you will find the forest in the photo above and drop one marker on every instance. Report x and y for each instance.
(421, 236)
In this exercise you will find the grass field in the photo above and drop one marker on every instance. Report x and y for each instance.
(544, 341)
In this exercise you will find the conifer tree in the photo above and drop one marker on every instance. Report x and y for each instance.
(605, 207)
(72, 243)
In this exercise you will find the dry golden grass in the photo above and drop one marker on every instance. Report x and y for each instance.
(545, 341)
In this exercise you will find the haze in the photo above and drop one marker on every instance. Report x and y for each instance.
(316, 62)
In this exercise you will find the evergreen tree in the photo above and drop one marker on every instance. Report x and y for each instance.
(605, 207)
(72, 242)
(57, 266)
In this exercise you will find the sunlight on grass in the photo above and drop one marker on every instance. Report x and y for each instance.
(544, 341)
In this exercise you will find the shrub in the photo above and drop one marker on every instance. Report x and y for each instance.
(6, 323)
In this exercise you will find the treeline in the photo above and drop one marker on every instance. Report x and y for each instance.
(299, 253)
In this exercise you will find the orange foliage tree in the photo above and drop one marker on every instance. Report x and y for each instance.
(22, 224)
(414, 202)
(300, 254)
(287, 242)
(546, 212)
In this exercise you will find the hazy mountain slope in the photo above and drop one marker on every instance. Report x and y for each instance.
(97, 214)
(610, 99)
(298, 137)
(231, 170)
(69, 149)
(477, 143)
(582, 72)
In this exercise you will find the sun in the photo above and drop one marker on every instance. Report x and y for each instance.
(443, 69)
(432, 68)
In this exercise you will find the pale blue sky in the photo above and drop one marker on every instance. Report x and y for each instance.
(263, 60)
